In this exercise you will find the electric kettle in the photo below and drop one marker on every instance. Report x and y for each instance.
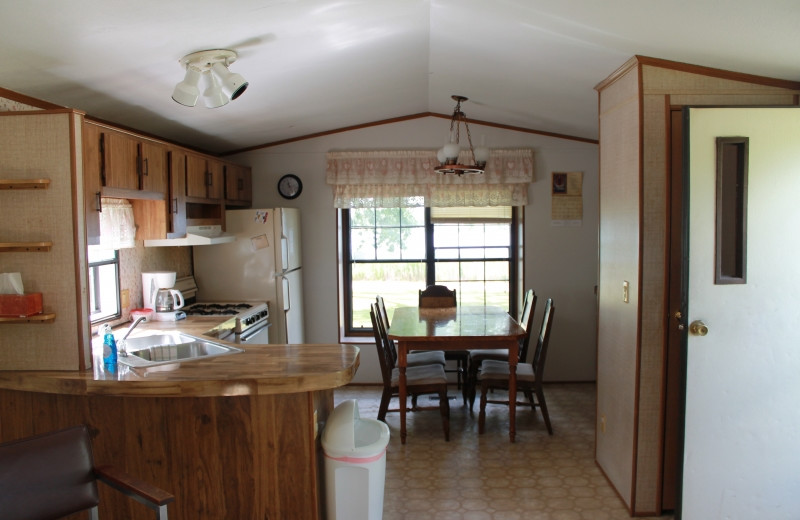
(168, 300)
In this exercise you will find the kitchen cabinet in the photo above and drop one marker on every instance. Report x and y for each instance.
(204, 178)
(238, 185)
(127, 165)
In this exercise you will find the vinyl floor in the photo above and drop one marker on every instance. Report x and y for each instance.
(485, 477)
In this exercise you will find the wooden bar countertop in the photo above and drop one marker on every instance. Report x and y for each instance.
(259, 370)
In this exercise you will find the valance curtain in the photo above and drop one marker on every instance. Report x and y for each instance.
(117, 227)
(397, 179)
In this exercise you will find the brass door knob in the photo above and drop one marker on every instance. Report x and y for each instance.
(698, 328)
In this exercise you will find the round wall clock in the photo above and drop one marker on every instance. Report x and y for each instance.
(290, 186)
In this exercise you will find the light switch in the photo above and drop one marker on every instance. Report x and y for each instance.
(625, 291)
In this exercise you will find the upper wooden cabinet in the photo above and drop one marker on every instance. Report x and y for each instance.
(238, 185)
(204, 178)
(124, 161)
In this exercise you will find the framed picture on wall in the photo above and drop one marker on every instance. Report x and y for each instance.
(559, 183)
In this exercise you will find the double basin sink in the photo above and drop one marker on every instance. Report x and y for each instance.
(169, 347)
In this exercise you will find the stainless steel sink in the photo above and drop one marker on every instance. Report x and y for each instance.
(173, 347)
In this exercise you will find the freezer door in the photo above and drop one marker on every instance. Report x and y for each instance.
(288, 316)
(287, 228)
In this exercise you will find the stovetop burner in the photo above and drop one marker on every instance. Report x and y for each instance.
(216, 309)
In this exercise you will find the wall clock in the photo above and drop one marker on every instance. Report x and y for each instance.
(290, 186)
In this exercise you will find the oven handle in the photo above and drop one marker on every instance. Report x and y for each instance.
(244, 336)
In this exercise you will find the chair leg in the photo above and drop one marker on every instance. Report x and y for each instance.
(386, 396)
(472, 382)
(444, 410)
(482, 414)
(543, 406)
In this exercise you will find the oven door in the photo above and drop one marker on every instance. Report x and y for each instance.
(255, 336)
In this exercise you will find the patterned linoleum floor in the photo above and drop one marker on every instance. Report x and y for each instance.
(485, 477)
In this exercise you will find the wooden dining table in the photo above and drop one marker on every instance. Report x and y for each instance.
(455, 328)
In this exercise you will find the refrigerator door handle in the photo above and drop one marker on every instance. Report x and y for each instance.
(284, 253)
(287, 301)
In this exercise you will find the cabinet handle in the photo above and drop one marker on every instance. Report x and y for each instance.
(146, 168)
(209, 179)
(98, 202)
(239, 184)
(175, 206)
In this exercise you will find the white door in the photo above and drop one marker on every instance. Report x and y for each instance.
(742, 434)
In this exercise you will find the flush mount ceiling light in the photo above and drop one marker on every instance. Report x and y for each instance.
(221, 85)
(448, 155)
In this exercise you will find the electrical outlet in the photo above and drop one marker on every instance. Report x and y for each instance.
(625, 291)
(124, 298)
(602, 424)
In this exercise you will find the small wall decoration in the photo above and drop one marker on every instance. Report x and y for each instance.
(567, 198)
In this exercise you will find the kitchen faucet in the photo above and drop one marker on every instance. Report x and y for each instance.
(121, 343)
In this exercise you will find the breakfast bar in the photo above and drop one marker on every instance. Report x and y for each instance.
(234, 436)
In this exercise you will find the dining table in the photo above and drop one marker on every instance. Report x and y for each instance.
(455, 328)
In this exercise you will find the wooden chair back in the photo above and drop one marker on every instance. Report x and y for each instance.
(540, 353)
(436, 297)
(384, 357)
(383, 318)
(526, 322)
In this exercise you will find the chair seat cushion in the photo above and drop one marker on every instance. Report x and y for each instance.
(425, 357)
(492, 370)
(421, 375)
(481, 354)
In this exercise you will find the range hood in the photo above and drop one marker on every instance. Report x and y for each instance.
(195, 236)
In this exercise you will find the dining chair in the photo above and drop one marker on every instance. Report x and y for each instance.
(478, 356)
(53, 475)
(437, 297)
(420, 380)
(413, 358)
(495, 374)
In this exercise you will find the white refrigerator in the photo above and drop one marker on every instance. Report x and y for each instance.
(263, 263)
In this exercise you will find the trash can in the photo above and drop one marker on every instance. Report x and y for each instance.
(355, 464)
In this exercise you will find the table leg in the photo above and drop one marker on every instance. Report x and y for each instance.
(401, 364)
(512, 393)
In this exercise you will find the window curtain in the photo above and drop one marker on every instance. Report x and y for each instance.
(117, 227)
(398, 179)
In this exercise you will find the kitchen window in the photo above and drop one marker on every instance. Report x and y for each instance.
(104, 301)
(395, 252)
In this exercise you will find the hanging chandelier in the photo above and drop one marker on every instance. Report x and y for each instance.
(448, 154)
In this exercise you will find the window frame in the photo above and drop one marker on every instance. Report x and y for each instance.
(346, 262)
(93, 272)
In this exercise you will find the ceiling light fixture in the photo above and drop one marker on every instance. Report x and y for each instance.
(448, 155)
(222, 85)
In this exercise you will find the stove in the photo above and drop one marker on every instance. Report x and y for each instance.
(246, 317)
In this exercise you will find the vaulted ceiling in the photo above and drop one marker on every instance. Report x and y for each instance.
(320, 65)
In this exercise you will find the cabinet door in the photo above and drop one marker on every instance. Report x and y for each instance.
(153, 165)
(196, 183)
(121, 153)
(216, 179)
(238, 184)
(92, 166)
(177, 193)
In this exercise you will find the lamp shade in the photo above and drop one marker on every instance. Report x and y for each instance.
(233, 85)
(186, 92)
(213, 97)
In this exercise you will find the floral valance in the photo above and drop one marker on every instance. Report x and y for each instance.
(392, 179)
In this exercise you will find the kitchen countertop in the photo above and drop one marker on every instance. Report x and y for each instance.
(259, 370)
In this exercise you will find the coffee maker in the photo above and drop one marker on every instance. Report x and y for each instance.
(158, 294)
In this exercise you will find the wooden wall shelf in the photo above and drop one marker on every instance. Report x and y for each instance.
(24, 184)
(25, 247)
(38, 318)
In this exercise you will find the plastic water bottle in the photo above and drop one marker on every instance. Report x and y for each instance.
(109, 346)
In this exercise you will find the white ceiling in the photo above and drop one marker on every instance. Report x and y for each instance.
(318, 65)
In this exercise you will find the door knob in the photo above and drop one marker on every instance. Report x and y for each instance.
(698, 328)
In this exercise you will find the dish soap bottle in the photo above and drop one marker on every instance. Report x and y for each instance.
(109, 346)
